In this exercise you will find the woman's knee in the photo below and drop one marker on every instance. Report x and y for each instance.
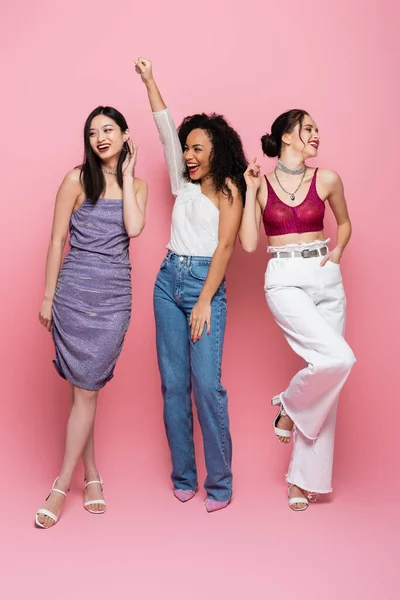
(347, 358)
(174, 388)
(210, 392)
(344, 359)
(86, 396)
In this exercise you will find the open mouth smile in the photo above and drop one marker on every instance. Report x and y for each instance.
(103, 147)
(193, 167)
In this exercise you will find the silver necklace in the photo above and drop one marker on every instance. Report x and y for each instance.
(108, 171)
(286, 169)
(292, 195)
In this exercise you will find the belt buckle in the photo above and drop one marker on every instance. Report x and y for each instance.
(306, 253)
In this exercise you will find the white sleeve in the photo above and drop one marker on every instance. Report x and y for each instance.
(172, 148)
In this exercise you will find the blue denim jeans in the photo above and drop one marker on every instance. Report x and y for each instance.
(182, 364)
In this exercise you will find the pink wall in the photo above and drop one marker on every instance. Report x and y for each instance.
(249, 62)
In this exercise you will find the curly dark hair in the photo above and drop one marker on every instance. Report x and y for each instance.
(227, 159)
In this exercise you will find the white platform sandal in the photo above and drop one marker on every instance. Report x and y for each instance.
(286, 433)
(92, 502)
(311, 497)
(48, 513)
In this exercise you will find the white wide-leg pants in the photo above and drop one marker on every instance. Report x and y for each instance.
(309, 304)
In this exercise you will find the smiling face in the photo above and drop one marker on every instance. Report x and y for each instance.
(106, 138)
(197, 153)
(304, 141)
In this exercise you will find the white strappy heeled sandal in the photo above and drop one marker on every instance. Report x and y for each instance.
(311, 497)
(92, 502)
(48, 513)
(286, 433)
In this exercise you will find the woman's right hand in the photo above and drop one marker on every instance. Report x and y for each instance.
(144, 68)
(45, 316)
(252, 175)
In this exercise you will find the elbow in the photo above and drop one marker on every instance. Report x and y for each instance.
(58, 243)
(135, 231)
(248, 245)
(249, 248)
(227, 248)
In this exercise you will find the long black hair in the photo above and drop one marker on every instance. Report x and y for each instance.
(271, 143)
(227, 159)
(92, 177)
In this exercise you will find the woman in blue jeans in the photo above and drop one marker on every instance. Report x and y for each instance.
(206, 163)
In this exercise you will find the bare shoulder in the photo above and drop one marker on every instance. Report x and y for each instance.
(233, 188)
(72, 180)
(70, 193)
(74, 175)
(329, 178)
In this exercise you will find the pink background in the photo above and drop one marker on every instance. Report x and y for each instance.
(249, 61)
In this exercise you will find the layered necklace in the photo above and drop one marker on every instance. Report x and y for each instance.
(108, 171)
(301, 171)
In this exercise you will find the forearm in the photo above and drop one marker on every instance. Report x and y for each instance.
(172, 147)
(249, 229)
(53, 266)
(165, 125)
(217, 271)
(343, 235)
(134, 217)
(156, 102)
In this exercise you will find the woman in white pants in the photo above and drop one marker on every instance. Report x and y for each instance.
(304, 292)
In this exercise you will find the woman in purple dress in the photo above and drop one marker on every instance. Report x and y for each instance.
(87, 300)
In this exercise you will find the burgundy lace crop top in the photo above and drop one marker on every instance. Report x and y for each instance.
(279, 218)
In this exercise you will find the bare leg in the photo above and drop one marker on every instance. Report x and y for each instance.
(80, 424)
(93, 491)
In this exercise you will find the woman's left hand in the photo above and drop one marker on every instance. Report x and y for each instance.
(200, 315)
(334, 256)
(128, 166)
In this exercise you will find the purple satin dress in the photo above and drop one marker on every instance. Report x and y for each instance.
(93, 298)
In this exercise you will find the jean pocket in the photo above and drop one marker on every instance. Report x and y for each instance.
(199, 270)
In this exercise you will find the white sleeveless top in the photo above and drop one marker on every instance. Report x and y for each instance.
(195, 219)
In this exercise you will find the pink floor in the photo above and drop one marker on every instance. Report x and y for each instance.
(150, 546)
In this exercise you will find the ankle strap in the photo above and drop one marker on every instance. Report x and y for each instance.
(311, 496)
(99, 481)
(54, 489)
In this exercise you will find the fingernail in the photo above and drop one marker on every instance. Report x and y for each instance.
(198, 338)
(208, 332)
